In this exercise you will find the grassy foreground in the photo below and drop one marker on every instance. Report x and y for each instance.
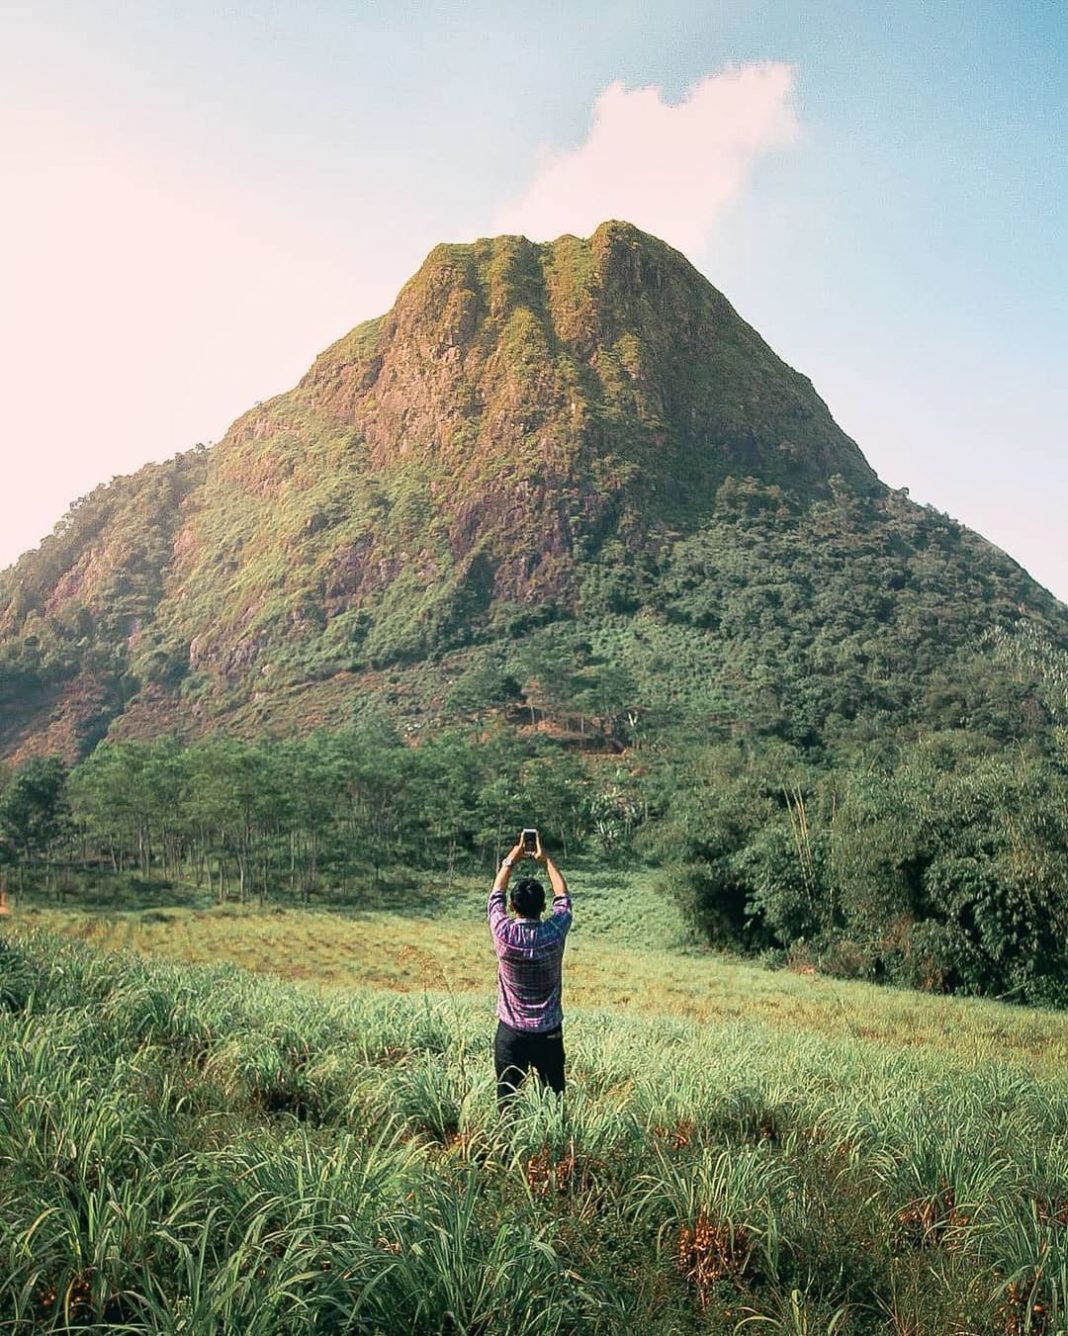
(198, 1148)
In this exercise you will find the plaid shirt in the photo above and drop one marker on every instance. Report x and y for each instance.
(529, 956)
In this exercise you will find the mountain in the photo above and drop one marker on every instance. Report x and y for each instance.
(567, 477)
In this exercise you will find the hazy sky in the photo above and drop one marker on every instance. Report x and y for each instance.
(199, 197)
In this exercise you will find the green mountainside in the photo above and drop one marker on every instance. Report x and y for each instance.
(566, 482)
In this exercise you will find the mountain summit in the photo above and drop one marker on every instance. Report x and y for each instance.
(549, 395)
(582, 432)
(611, 360)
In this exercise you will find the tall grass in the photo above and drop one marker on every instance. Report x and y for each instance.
(190, 1149)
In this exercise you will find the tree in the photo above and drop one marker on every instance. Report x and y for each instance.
(555, 790)
(444, 791)
(130, 794)
(483, 685)
(34, 812)
(228, 795)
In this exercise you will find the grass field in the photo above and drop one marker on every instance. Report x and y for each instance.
(629, 951)
(195, 1144)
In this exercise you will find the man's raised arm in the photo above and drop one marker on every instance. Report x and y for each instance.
(496, 910)
(561, 895)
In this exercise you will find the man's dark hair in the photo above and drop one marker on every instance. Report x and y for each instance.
(528, 897)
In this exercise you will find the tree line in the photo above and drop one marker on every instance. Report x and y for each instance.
(333, 811)
(936, 861)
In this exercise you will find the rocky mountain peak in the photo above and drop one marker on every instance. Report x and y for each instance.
(582, 431)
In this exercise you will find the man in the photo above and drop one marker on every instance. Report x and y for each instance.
(530, 954)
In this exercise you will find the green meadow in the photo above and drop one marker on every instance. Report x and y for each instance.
(226, 1119)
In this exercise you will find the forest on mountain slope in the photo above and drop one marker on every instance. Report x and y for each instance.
(934, 861)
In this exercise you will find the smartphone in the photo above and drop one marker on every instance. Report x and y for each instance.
(530, 841)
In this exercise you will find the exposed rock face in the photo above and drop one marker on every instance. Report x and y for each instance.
(609, 361)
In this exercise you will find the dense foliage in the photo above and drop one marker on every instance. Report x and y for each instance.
(939, 869)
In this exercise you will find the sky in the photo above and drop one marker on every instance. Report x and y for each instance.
(198, 198)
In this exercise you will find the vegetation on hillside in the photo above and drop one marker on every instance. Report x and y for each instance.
(75, 612)
(933, 861)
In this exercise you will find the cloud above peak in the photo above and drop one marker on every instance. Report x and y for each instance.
(671, 170)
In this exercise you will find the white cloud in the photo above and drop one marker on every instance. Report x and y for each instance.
(671, 170)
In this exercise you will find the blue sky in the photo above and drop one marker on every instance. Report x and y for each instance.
(201, 197)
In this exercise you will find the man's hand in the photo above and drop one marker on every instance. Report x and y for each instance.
(539, 855)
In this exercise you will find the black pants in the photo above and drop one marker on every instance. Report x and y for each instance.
(515, 1052)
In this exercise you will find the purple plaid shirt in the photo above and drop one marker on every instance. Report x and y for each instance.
(529, 956)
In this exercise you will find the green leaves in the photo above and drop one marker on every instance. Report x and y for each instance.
(34, 810)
